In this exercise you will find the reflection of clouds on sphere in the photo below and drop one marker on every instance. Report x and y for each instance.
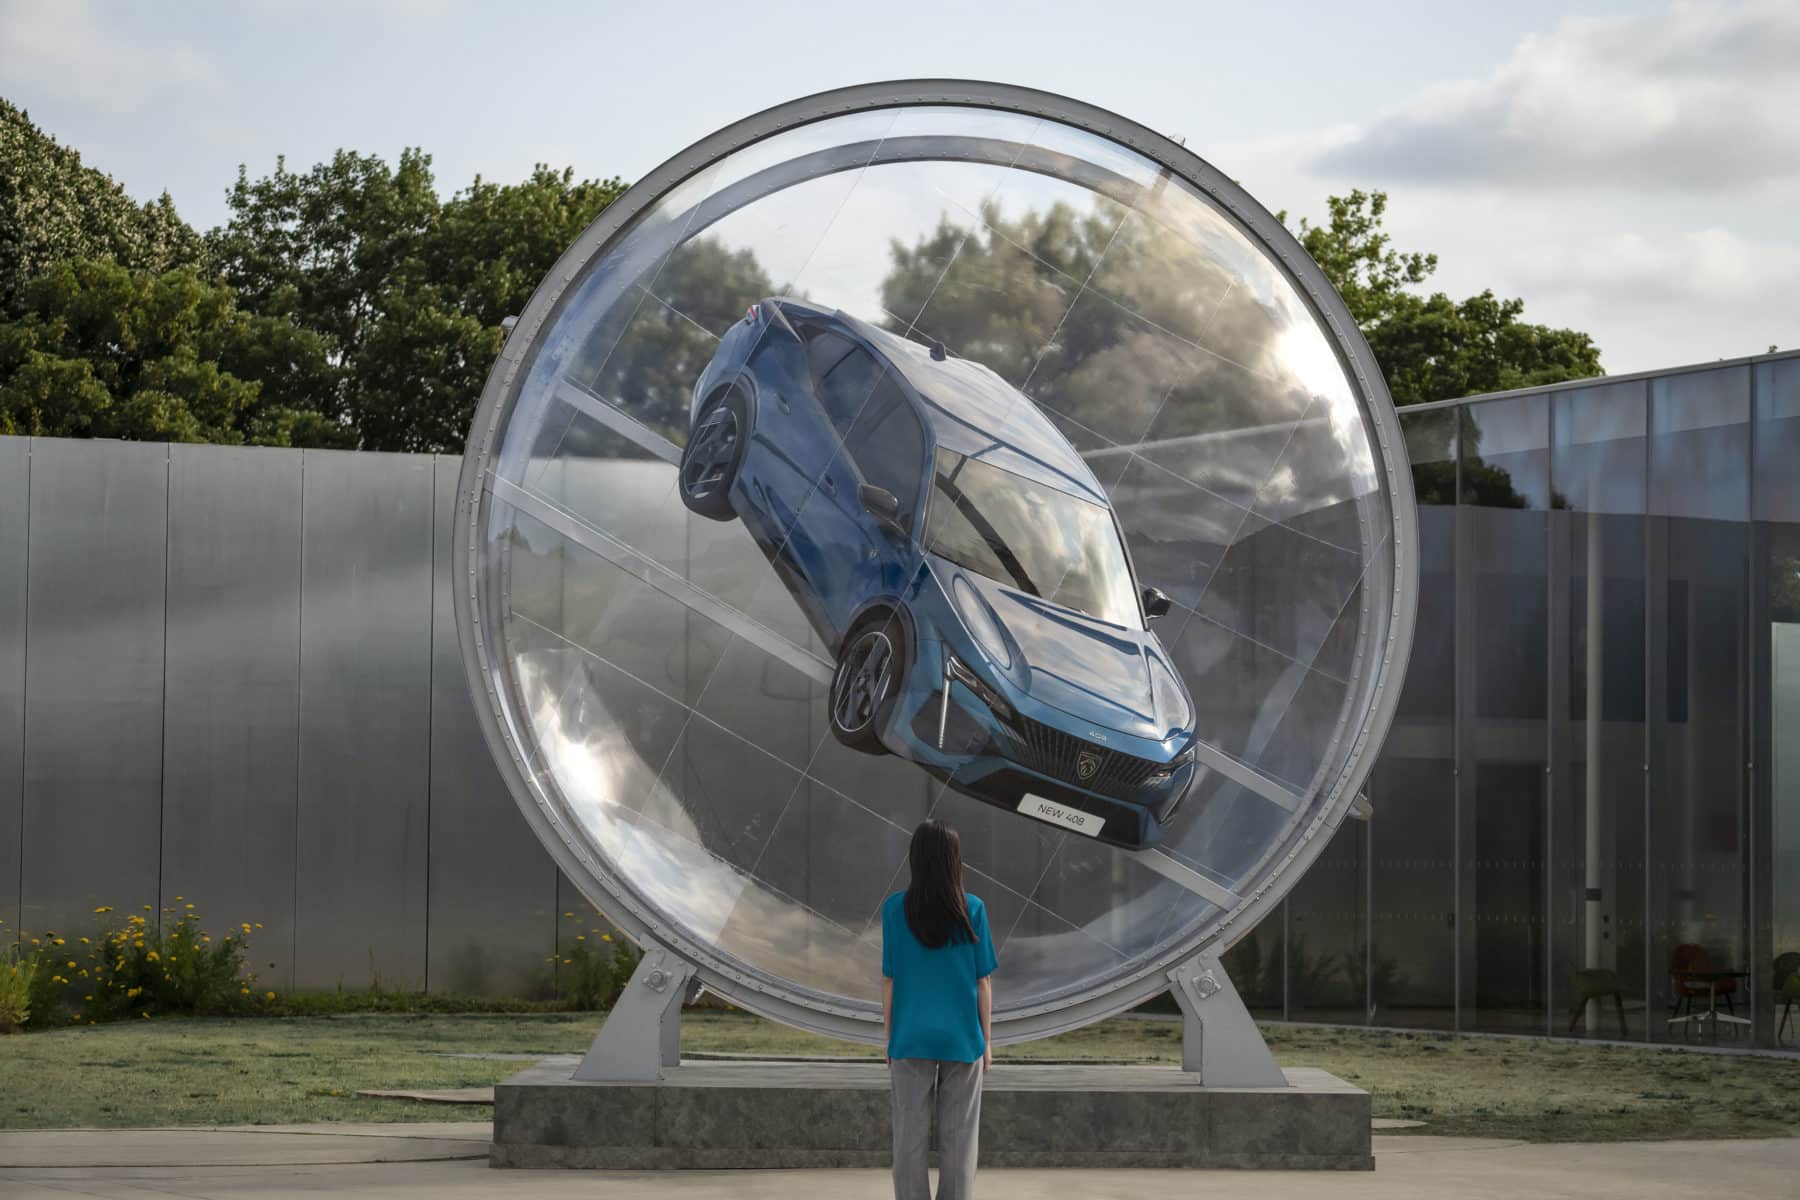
(662, 697)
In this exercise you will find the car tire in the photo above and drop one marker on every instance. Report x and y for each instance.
(710, 460)
(870, 676)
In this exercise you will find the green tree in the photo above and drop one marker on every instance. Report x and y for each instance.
(418, 375)
(407, 292)
(322, 247)
(103, 351)
(1432, 347)
(492, 244)
(53, 210)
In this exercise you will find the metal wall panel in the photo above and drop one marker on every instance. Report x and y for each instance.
(231, 720)
(93, 680)
(492, 885)
(365, 724)
(15, 508)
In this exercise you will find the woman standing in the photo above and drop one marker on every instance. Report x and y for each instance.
(937, 999)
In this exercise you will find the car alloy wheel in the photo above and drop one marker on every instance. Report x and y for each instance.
(863, 682)
(707, 465)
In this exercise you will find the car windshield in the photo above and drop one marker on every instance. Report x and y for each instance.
(1031, 537)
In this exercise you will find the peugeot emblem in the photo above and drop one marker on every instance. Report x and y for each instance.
(1086, 763)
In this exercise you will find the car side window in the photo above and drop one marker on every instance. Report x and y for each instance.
(887, 444)
(844, 376)
(823, 350)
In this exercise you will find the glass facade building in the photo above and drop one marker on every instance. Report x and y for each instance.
(1595, 760)
(1595, 767)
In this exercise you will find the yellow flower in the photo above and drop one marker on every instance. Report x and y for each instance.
(147, 908)
(567, 961)
(581, 937)
(34, 941)
(152, 956)
(185, 905)
(243, 991)
(85, 999)
(85, 942)
(71, 964)
(206, 938)
(245, 927)
(568, 914)
(56, 941)
(146, 1014)
(259, 924)
(104, 908)
(606, 937)
(131, 993)
(178, 897)
(268, 995)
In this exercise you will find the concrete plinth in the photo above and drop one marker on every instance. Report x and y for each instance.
(712, 1115)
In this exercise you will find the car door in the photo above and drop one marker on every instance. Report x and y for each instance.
(887, 449)
(790, 441)
(833, 541)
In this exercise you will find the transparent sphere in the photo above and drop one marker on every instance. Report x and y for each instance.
(931, 460)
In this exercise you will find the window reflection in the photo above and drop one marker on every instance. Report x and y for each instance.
(1036, 539)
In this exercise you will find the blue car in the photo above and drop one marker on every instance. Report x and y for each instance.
(961, 559)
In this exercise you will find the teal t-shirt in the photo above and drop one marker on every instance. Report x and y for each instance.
(936, 1014)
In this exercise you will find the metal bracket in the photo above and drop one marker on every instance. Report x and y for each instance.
(1219, 1038)
(642, 1033)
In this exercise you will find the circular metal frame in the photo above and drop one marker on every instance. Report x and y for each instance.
(1288, 859)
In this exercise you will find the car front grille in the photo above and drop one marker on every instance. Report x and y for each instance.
(1060, 755)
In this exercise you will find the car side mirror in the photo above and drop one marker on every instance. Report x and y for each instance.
(881, 504)
(1156, 603)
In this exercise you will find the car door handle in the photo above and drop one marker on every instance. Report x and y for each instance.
(830, 484)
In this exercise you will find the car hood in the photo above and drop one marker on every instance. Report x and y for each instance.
(1109, 677)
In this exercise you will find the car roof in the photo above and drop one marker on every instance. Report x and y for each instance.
(969, 409)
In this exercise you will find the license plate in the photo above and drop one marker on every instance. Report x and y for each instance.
(1061, 814)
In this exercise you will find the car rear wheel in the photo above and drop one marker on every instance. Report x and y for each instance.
(709, 463)
(870, 673)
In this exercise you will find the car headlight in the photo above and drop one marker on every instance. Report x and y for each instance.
(955, 668)
(980, 623)
(1164, 774)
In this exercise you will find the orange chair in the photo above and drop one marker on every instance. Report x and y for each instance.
(1688, 966)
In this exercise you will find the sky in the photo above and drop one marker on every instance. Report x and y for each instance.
(1630, 169)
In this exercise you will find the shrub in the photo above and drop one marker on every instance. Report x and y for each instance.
(595, 970)
(18, 973)
(140, 969)
(171, 968)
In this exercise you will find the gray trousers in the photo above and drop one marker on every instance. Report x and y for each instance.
(953, 1090)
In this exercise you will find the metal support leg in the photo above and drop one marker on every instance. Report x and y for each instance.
(1219, 1038)
(642, 1033)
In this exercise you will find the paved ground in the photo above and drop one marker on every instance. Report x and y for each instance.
(448, 1161)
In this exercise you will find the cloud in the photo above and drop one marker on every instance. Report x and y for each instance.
(1702, 98)
(1703, 267)
(68, 52)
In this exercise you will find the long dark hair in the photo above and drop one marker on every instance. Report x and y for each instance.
(935, 909)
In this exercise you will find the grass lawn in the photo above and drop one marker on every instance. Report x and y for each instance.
(198, 1072)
